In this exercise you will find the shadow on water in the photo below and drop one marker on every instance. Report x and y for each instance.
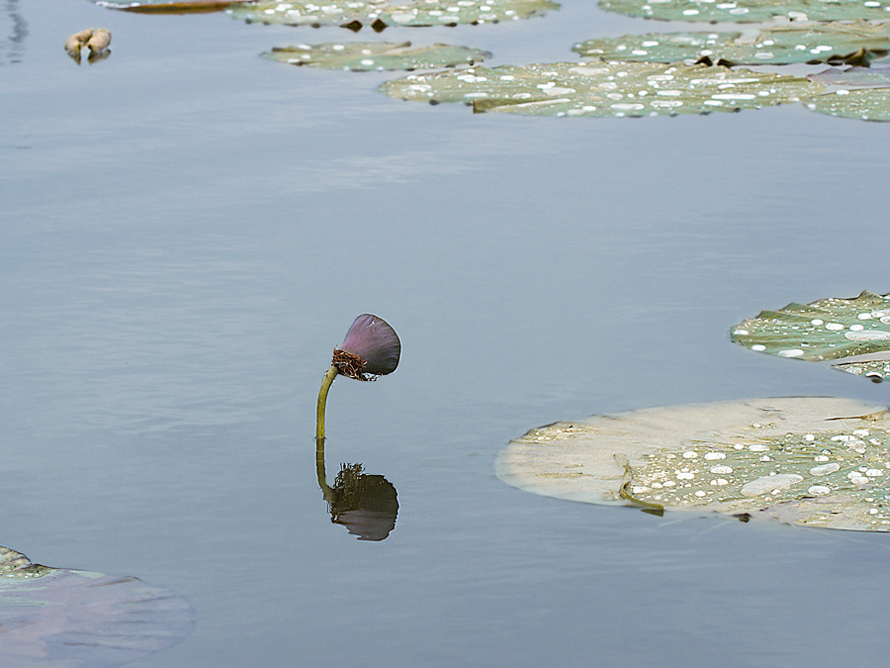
(13, 46)
(367, 505)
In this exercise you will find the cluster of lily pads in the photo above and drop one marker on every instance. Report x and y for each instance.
(674, 73)
(636, 75)
(810, 461)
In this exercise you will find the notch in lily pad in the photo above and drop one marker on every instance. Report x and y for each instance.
(371, 348)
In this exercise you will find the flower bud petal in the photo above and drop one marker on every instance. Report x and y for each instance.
(375, 342)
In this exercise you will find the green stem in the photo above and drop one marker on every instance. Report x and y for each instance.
(319, 471)
(322, 401)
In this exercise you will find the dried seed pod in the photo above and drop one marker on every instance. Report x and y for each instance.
(99, 41)
(75, 43)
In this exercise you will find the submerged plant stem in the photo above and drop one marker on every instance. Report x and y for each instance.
(322, 401)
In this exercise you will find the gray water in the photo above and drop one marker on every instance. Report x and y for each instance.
(187, 232)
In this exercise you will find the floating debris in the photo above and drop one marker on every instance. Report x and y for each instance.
(77, 41)
(810, 461)
(95, 39)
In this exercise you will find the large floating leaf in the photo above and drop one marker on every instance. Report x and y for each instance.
(829, 329)
(357, 13)
(170, 6)
(750, 10)
(812, 461)
(364, 56)
(59, 618)
(833, 42)
(604, 89)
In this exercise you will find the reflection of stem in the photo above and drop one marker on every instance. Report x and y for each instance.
(319, 470)
(322, 400)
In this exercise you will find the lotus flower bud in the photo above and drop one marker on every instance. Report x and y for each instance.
(371, 348)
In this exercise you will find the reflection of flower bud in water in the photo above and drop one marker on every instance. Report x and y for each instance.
(371, 348)
(367, 505)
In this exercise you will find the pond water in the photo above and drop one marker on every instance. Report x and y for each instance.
(188, 231)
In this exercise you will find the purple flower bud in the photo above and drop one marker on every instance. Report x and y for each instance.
(371, 347)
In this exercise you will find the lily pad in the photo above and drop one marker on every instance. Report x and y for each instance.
(171, 6)
(810, 461)
(416, 13)
(368, 56)
(833, 42)
(738, 11)
(865, 104)
(51, 617)
(604, 89)
(856, 331)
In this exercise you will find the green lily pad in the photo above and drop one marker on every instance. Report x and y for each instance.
(834, 42)
(810, 461)
(51, 617)
(604, 89)
(866, 104)
(170, 6)
(738, 11)
(369, 56)
(828, 329)
(357, 13)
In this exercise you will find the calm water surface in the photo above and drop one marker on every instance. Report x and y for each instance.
(187, 232)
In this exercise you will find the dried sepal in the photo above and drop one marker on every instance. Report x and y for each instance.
(349, 365)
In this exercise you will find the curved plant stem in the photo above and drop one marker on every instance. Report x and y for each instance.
(322, 401)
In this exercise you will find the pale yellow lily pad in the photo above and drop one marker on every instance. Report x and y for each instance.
(810, 461)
